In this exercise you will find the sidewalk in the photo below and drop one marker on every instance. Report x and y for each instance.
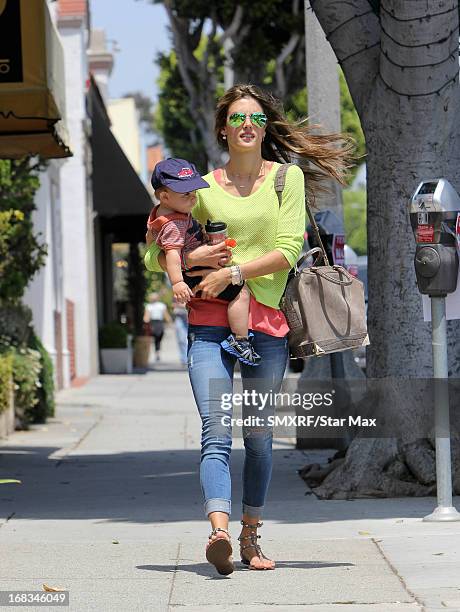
(110, 509)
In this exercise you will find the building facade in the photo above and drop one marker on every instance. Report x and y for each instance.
(85, 203)
(62, 295)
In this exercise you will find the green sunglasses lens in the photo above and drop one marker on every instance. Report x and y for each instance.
(257, 119)
(236, 119)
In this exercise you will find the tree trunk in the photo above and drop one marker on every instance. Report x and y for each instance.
(402, 70)
(398, 159)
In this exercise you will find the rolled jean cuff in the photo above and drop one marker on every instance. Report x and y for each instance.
(253, 511)
(217, 505)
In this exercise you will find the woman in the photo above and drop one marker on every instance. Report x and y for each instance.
(156, 313)
(251, 126)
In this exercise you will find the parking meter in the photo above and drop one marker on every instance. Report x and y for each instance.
(434, 211)
(332, 234)
(433, 216)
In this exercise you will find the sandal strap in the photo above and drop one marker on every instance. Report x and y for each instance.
(216, 529)
(259, 552)
(253, 537)
(258, 524)
(256, 546)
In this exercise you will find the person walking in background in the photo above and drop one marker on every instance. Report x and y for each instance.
(251, 126)
(181, 325)
(156, 313)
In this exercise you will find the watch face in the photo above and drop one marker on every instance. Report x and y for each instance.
(236, 276)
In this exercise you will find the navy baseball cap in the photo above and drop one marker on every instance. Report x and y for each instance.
(179, 175)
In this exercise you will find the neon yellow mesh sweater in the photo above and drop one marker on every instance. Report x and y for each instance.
(258, 225)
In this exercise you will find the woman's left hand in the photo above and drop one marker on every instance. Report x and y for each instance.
(212, 283)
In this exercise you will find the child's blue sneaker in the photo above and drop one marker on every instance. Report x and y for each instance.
(242, 349)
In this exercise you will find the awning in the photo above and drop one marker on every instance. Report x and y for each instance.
(117, 189)
(32, 83)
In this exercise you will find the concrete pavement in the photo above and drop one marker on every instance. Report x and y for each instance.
(110, 509)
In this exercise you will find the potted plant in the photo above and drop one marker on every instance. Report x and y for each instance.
(115, 347)
(6, 395)
(142, 346)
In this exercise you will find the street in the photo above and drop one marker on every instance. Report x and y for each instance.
(110, 509)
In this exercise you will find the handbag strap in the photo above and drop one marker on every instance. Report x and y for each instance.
(321, 271)
(280, 181)
(324, 274)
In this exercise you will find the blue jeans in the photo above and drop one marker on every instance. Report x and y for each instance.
(180, 322)
(211, 374)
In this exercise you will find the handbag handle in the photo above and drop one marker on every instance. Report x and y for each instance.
(307, 254)
(325, 275)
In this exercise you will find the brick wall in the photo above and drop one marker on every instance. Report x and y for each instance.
(72, 8)
(58, 347)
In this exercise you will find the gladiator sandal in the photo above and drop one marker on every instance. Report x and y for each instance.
(253, 537)
(219, 552)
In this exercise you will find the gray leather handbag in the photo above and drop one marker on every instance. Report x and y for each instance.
(325, 310)
(323, 305)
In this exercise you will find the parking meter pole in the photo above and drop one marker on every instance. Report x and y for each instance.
(337, 369)
(445, 510)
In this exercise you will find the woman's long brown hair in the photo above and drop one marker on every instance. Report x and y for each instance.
(330, 155)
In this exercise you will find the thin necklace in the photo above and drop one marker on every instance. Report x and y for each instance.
(260, 173)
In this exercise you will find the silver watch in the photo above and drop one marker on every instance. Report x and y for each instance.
(237, 277)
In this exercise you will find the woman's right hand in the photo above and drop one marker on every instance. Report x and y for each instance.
(209, 256)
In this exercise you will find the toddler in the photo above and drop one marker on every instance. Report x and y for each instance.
(177, 233)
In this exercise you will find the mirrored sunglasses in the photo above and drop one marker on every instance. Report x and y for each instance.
(257, 119)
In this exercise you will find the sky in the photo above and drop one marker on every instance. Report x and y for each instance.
(140, 31)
